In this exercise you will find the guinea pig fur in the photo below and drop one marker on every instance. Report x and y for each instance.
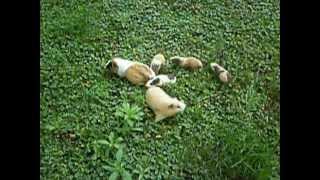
(120, 66)
(137, 73)
(161, 80)
(162, 104)
(223, 74)
(190, 63)
(156, 63)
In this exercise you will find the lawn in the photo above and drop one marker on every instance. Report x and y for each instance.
(97, 126)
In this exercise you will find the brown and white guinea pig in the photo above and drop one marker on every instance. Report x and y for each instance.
(161, 80)
(137, 73)
(156, 63)
(190, 63)
(223, 74)
(162, 104)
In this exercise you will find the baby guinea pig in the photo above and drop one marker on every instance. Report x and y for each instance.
(223, 74)
(161, 80)
(190, 63)
(135, 72)
(156, 63)
(162, 104)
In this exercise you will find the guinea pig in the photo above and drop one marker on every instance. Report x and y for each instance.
(135, 72)
(190, 63)
(120, 65)
(156, 63)
(223, 74)
(161, 80)
(162, 104)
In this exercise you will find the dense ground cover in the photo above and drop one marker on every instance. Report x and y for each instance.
(227, 131)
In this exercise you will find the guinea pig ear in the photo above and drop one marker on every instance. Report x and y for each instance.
(109, 69)
(108, 65)
(170, 106)
(114, 67)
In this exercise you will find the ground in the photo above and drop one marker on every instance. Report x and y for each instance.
(95, 126)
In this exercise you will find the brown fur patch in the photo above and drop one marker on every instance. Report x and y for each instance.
(191, 63)
(114, 67)
(138, 74)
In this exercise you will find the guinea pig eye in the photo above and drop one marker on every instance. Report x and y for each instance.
(171, 76)
(178, 106)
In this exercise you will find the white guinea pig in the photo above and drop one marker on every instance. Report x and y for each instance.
(162, 104)
(161, 80)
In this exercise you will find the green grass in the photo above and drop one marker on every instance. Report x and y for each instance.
(226, 132)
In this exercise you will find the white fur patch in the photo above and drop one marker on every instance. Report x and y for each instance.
(123, 65)
(163, 80)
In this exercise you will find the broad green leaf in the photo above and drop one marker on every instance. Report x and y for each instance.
(109, 168)
(137, 129)
(118, 146)
(103, 142)
(119, 154)
(50, 128)
(146, 170)
(126, 175)
(114, 176)
(136, 171)
(111, 136)
(119, 139)
(130, 123)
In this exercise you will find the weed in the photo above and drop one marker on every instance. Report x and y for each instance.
(117, 168)
(129, 116)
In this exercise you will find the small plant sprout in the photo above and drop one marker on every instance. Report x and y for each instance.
(141, 170)
(112, 142)
(129, 115)
(117, 168)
